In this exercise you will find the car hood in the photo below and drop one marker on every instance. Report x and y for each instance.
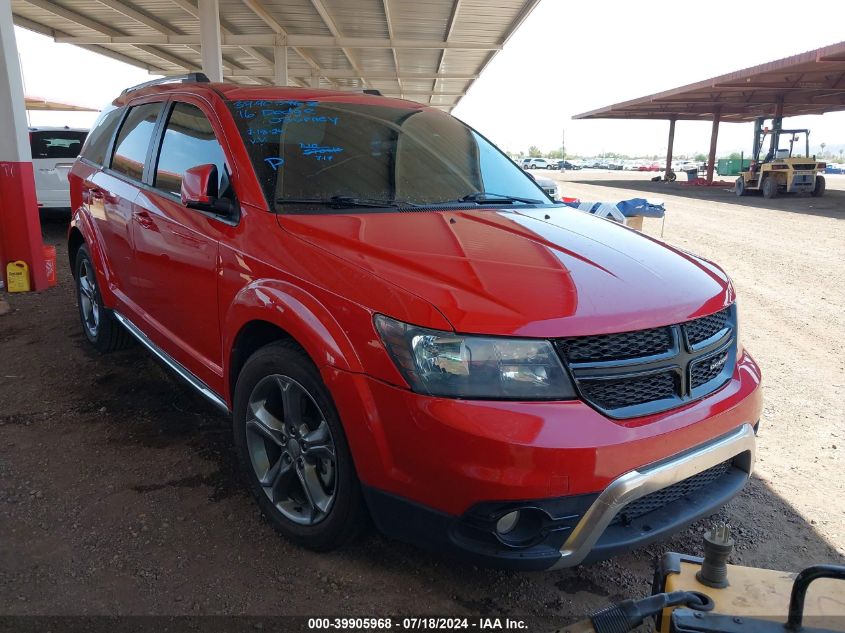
(543, 272)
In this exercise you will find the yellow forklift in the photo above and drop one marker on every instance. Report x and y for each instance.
(782, 170)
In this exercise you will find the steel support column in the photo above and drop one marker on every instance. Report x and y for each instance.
(20, 229)
(714, 136)
(280, 58)
(212, 52)
(670, 147)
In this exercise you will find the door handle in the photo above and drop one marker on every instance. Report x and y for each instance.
(144, 219)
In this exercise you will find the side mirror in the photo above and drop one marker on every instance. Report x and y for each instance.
(200, 190)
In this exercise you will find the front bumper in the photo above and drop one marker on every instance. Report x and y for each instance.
(582, 528)
(439, 472)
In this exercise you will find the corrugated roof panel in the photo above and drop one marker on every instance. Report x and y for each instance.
(358, 18)
(148, 23)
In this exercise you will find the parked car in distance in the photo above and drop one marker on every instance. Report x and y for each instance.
(565, 164)
(482, 372)
(537, 163)
(549, 186)
(54, 149)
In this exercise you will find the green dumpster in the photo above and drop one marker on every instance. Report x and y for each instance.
(731, 166)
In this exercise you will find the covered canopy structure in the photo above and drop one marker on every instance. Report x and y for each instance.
(430, 51)
(37, 103)
(809, 83)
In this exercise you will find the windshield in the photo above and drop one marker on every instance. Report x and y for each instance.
(310, 155)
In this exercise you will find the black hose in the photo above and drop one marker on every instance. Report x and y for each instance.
(628, 615)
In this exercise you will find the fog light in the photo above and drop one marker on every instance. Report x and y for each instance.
(507, 523)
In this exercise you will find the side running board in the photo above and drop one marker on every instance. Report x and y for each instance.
(175, 365)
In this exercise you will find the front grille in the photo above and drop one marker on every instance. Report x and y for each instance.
(704, 328)
(706, 369)
(618, 346)
(638, 373)
(613, 394)
(665, 496)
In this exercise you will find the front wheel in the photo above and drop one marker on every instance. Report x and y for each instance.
(293, 448)
(739, 186)
(818, 190)
(770, 187)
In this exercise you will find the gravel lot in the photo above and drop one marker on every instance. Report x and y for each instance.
(119, 492)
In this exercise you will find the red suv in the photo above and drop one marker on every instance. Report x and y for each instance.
(403, 325)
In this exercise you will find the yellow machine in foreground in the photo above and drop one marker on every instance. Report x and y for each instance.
(705, 595)
(782, 170)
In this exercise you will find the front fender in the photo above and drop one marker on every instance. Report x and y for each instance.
(298, 313)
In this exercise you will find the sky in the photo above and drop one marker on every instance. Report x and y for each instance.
(568, 57)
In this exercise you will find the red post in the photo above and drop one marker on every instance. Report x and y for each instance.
(20, 229)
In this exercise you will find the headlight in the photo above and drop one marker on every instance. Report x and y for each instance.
(457, 366)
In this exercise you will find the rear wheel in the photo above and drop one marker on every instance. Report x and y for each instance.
(770, 187)
(293, 448)
(818, 190)
(739, 186)
(101, 328)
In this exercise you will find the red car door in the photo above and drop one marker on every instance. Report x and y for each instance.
(176, 248)
(111, 193)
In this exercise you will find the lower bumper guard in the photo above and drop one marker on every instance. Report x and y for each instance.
(580, 544)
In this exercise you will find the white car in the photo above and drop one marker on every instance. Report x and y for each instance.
(549, 186)
(536, 163)
(54, 149)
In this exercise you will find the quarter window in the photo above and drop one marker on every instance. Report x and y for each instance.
(133, 141)
(188, 141)
(101, 134)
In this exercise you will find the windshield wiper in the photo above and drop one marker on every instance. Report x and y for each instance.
(346, 201)
(485, 196)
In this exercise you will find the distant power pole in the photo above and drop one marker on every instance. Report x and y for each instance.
(563, 143)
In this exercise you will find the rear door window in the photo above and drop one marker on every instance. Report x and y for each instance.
(56, 143)
(188, 141)
(133, 140)
(101, 134)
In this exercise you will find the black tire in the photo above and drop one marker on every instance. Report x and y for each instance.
(671, 176)
(99, 325)
(739, 187)
(346, 515)
(770, 187)
(818, 190)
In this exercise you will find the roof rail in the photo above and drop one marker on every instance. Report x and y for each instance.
(175, 79)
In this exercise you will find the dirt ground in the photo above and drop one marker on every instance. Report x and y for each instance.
(119, 492)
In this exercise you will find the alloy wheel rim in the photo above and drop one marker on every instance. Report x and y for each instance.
(291, 449)
(88, 298)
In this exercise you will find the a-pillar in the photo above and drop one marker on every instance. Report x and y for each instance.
(20, 229)
(670, 147)
(714, 136)
(210, 45)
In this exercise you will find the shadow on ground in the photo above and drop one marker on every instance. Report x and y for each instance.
(120, 494)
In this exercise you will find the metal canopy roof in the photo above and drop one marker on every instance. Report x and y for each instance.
(37, 103)
(430, 51)
(809, 83)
